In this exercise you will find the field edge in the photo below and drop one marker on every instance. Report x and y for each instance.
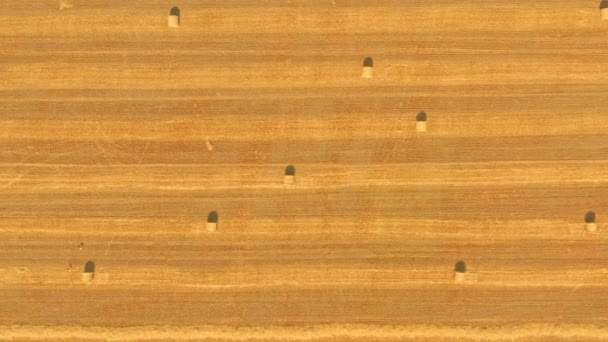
(307, 333)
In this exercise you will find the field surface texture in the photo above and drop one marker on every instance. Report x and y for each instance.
(119, 135)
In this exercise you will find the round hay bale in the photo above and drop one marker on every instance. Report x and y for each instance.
(290, 175)
(460, 270)
(604, 9)
(421, 122)
(212, 220)
(87, 277)
(368, 65)
(89, 271)
(174, 17)
(590, 223)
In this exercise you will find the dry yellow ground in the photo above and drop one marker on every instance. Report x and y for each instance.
(104, 119)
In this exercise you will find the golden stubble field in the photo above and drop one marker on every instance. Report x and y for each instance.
(106, 116)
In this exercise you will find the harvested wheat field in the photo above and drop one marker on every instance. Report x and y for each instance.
(232, 170)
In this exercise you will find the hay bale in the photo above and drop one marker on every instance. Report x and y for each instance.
(87, 277)
(89, 272)
(174, 17)
(421, 122)
(604, 9)
(590, 223)
(460, 270)
(212, 220)
(368, 65)
(290, 175)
